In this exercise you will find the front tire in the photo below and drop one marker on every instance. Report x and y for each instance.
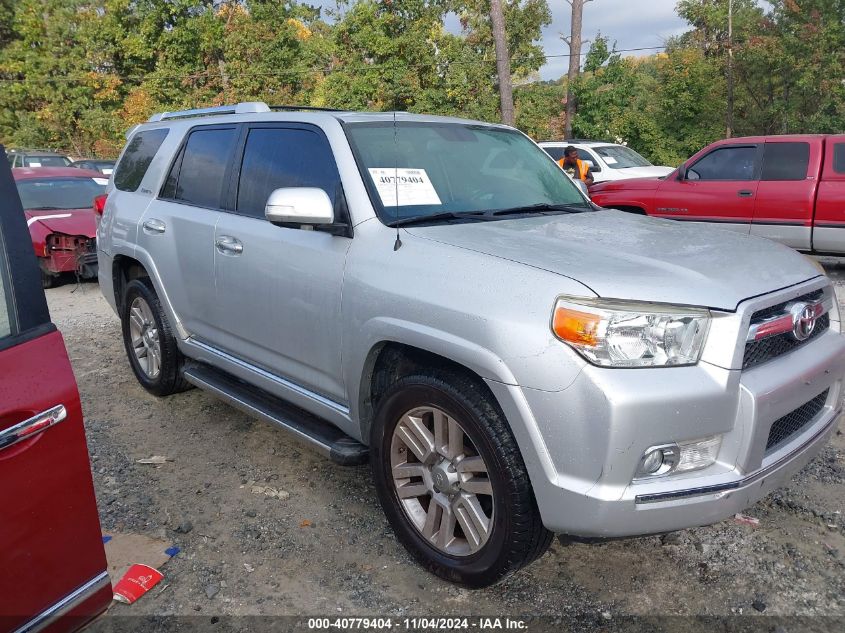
(150, 345)
(452, 481)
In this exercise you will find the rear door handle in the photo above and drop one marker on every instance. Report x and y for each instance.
(229, 245)
(154, 226)
(745, 193)
(32, 427)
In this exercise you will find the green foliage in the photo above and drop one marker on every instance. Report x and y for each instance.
(76, 73)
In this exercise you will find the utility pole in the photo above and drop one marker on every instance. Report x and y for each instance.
(574, 43)
(503, 64)
(730, 114)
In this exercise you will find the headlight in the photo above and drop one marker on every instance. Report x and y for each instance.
(623, 334)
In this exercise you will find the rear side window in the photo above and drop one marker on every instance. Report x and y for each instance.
(786, 161)
(839, 158)
(201, 177)
(137, 158)
(725, 163)
(284, 157)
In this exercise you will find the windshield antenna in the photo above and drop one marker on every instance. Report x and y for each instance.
(398, 243)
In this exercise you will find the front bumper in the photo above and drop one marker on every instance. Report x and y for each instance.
(582, 445)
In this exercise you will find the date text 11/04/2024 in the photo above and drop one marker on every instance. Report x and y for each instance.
(417, 623)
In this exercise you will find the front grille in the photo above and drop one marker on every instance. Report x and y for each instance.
(790, 424)
(757, 352)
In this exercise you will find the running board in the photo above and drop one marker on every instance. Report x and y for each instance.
(321, 435)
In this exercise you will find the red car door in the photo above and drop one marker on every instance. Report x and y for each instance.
(52, 564)
(787, 191)
(829, 231)
(717, 187)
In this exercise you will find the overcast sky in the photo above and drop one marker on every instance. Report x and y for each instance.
(630, 23)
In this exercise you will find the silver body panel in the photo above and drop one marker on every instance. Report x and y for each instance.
(302, 314)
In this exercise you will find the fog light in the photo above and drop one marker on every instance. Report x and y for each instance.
(657, 460)
(677, 458)
(698, 454)
(652, 461)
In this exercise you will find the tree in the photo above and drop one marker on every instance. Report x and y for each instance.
(574, 43)
(503, 64)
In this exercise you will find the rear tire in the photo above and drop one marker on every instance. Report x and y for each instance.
(150, 345)
(444, 492)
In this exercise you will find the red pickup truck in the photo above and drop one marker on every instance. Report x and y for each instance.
(787, 188)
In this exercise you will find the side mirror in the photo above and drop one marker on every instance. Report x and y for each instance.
(299, 205)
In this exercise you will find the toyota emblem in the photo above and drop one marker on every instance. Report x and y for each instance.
(803, 320)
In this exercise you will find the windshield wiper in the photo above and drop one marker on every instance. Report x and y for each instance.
(543, 207)
(45, 208)
(446, 215)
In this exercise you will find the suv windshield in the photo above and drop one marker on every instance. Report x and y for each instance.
(59, 193)
(621, 157)
(418, 169)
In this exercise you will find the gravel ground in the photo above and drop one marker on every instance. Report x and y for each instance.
(325, 548)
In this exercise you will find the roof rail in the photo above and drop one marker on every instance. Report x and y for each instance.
(246, 107)
(304, 107)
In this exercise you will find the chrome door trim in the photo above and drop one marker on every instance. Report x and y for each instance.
(69, 602)
(282, 382)
(33, 426)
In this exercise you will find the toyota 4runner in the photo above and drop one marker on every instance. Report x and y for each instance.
(435, 296)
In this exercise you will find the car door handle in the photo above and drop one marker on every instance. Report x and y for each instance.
(32, 427)
(154, 226)
(229, 245)
(745, 193)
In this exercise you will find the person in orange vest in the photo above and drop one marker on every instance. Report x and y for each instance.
(575, 167)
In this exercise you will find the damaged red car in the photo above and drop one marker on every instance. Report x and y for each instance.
(59, 206)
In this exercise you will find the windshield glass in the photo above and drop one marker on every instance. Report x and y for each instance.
(621, 157)
(46, 161)
(422, 169)
(59, 193)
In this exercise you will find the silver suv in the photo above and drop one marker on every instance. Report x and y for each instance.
(435, 296)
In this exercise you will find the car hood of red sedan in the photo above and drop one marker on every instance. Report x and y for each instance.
(67, 221)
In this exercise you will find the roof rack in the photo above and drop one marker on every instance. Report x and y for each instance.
(246, 107)
(284, 108)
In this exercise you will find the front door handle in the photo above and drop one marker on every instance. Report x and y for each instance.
(32, 427)
(229, 245)
(154, 227)
(745, 193)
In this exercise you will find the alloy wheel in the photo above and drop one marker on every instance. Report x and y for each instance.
(441, 481)
(144, 336)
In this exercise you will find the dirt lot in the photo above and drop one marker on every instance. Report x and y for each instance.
(326, 548)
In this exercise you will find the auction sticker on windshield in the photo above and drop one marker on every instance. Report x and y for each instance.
(411, 186)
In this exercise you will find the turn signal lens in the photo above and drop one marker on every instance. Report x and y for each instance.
(577, 327)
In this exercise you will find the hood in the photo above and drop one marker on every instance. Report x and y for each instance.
(627, 184)
(644, 172)
(624, 256)
(67, 221)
